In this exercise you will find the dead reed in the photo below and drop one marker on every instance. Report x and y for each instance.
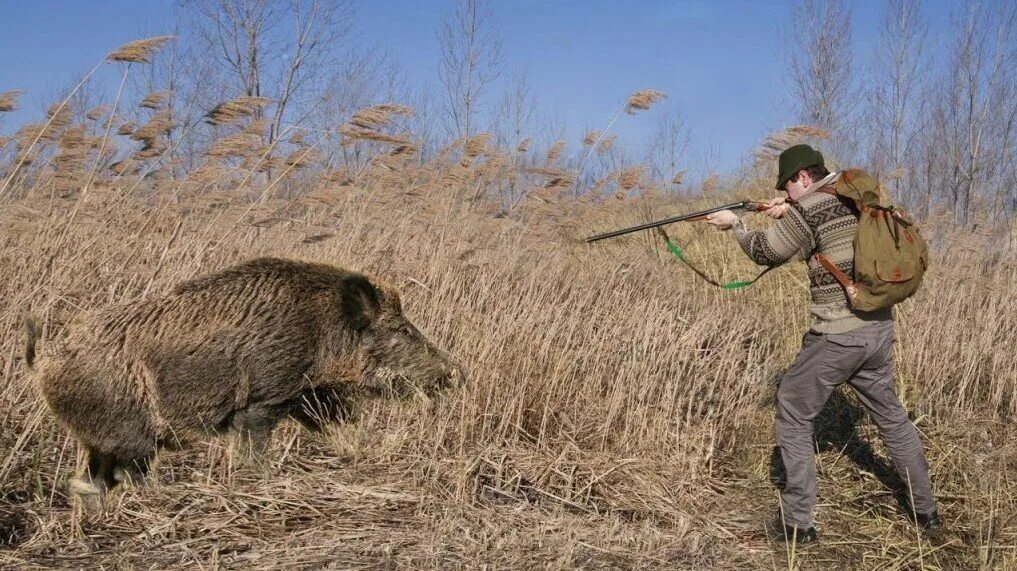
(617, 405)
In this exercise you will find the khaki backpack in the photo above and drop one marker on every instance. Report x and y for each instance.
(890, 254)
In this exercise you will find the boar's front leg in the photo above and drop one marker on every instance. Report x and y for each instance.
(315, 408)
(98, 475)
(104, 472)
(91, 485)
(253, 427)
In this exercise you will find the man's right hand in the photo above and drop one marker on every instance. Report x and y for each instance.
(775, 207)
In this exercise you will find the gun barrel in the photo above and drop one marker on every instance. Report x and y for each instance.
(744, 205)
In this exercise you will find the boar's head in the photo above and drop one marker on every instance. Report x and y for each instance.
(398, 360)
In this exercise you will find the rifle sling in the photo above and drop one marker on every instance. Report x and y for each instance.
(678, 254)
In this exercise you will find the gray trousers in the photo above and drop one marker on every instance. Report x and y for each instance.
(864, 359)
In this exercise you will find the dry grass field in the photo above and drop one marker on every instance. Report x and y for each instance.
(618, 413)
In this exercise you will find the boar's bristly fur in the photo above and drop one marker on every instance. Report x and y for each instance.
(233, 351)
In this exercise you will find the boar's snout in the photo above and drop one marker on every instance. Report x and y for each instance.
(402, 362)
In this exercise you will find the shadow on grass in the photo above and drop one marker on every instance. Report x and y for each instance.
(836, 430)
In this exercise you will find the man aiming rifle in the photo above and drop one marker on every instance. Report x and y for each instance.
(843, 344)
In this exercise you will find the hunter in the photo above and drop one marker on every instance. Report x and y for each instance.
(841, 345)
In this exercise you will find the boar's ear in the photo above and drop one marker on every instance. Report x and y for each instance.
(391, 303)
(360, 301)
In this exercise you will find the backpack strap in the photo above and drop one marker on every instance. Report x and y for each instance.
(850, 289)
(849, 286)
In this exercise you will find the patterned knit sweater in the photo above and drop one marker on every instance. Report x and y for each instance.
(819, 222)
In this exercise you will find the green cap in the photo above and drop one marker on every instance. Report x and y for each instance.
(794, 159)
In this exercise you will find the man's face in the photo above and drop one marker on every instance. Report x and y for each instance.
(798, 184)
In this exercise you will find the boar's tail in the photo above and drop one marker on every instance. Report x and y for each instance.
(32, 333)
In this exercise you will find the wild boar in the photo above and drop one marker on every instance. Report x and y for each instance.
(237, 350)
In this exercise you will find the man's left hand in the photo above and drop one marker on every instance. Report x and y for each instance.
(722, 220)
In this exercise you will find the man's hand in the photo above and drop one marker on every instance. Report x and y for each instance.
(723, 220)
(775, 207)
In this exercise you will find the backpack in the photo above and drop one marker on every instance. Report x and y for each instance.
(890, 254)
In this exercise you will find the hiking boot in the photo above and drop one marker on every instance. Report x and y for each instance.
(929, 523)
(777, 530)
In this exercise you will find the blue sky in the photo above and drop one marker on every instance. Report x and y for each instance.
(718, 61)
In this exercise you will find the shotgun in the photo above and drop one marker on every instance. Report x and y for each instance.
(744, 206)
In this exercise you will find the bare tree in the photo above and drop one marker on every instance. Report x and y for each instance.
(817, 49)
(972, 145)
(186, 78)
(517, 111)
(471, 59)
(274, 48)
(668, 149)
(364, 78)
(895, 101)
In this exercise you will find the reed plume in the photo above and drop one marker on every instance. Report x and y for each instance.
(32, 132)
(59, 116)
(138, 51)
(776, 142)
(242, 144)
(98, 112)
(155, 99)
(627, 179)
(9, 100)
(158, 125)
(229, 112)
(475, 145)
(636, 101)
(125, 167)
(606, 144)
(643, 100)
(256, 127)
(302, 157)
(555, 151)
(366, 124)
(377, 116)
(351, 135)
(710, 184)
(75, 146)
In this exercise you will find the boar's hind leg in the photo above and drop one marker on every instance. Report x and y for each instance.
(132, 471)
(315, 408)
